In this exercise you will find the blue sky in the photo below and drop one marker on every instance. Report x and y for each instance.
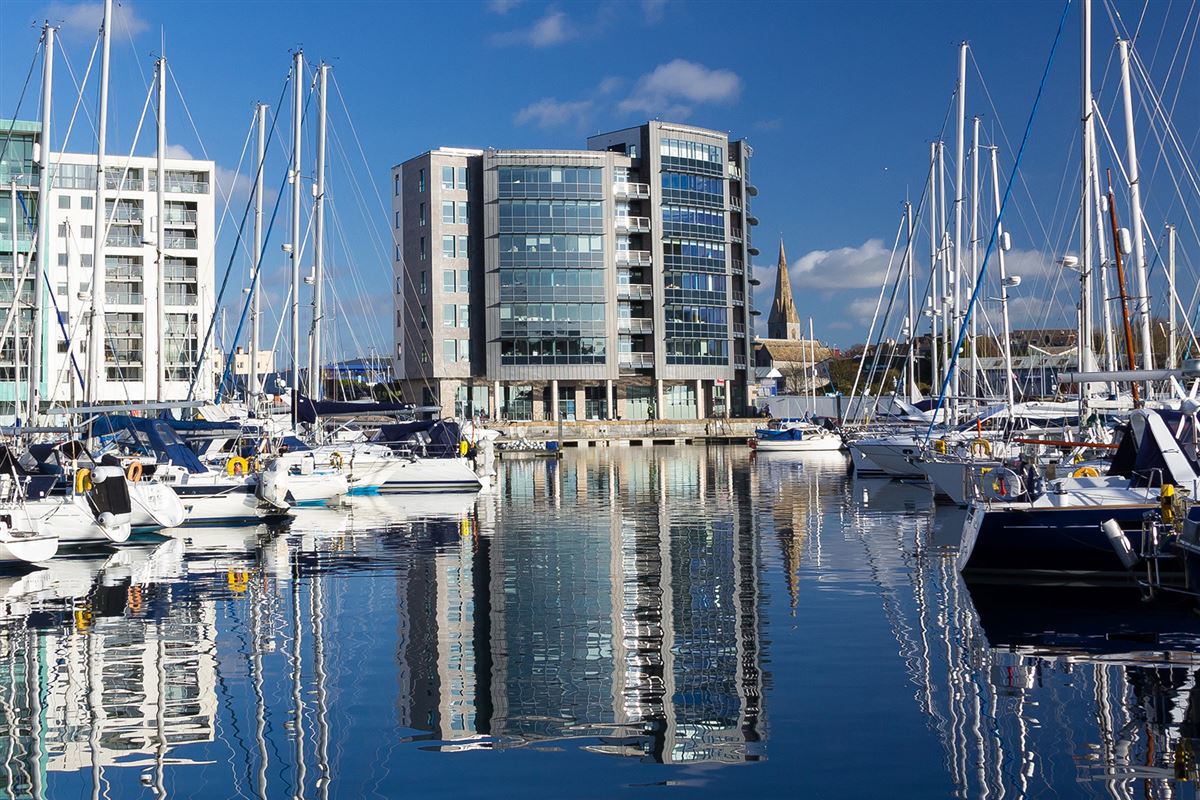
(839, 101)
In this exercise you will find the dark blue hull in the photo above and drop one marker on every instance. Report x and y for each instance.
(1048, 543)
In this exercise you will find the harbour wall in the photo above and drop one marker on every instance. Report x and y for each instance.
(628, 431)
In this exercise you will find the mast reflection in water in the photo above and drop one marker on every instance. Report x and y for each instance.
(625, 618)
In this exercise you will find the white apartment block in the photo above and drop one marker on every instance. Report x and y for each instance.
(135, 277)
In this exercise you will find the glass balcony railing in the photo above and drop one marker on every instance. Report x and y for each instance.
(634, 258)
(623, 189)
(633, 224)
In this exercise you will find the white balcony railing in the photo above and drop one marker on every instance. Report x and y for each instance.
(634, 258)
(635, 325)
(635, 291)
(636, 360)
(633, 224)
(623, 189)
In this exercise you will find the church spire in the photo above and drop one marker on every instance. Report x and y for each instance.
(784, 322)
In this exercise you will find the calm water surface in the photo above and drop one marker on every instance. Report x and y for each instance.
(644, 622)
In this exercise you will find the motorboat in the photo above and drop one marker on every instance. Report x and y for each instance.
(794, 436)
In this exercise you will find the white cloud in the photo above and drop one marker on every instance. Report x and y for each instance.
(502, 6)
(654, 10)
(550, 112)
(554, 28)
(672, 89)
(178, 151)
(83, 19)
(233, 187)
(861, 267)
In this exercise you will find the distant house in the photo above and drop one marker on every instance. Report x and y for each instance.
(786, 366)
(369, 370)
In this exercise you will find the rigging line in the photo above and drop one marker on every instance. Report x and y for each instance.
(79, 87)
(137, 134)
(21, 98)
(999, 215)
(875, 317)
(1168, 127)
(53, 298)
(200, 354)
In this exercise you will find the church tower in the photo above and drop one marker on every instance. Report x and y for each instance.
(784, 322)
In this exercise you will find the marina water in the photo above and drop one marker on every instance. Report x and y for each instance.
(625, 621)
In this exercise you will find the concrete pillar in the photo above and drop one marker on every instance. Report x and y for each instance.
(609, 409)
(497, 400)
(554, 400)
(699, 399)
(659, 408)
(580, 402)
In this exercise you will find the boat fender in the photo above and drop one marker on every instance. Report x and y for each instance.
(134, 471)
(335, 460)
(1003, 484)
(1120, 543)
(83, 481)
(1086, 472)
(462, 447)
(107, 519)
(981, 447)
(940, 446)
(236, 466)
(1166, 503)
(134, 599)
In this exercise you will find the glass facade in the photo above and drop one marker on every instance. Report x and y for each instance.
(551, 260)
(695, 263)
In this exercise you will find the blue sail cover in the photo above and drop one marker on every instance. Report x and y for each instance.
(444, 435)
(143, 434)
(310, 410)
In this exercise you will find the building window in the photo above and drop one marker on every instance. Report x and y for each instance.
(421, 180)
(463, 250)
(85, 231)
(421, 218)
(448, 212)
(448, 315)
(464, 280)
(396, 185)
(447, 177)
(399, 253)
(462, 212)
(85, 260)
(424, 252)
(462, 177)
(448, 246)
(61, 290)
(424, 282)
(398, 223)
(399, 285)
(424, 316)
(448, 280)
(64, 201)
(399, 318)
(62, 230)
(62, 259)
(86, 203)
(424, 355)
(464, 316)
(449, 350)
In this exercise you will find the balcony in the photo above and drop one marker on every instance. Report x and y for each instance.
(735, 171)
(635, 325)
(634, 258)
(735, 204)
(636, 360)
(738, 266)
(739, 330)
(635, 291)
(187, 217)
(739, 362)
(636, 191)
(124, 213)
(633, 224)
(735, 234)
(175, 241)
(123, 237)
(739, 299)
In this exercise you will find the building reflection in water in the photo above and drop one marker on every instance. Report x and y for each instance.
(613, 602)
(591, 600)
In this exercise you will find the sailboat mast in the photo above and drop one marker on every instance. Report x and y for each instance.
(934, 365)
(1009, 393)
(1117, 251)
(95, 349)
(297, 121)
(314, 350)
(14, 242)
(43, 228)
(1106, 316)
(1084, 355)
(912, 311)
(160, 355)
(255, 277)
(959, 201)
(1171, 342)
(974, 253)
(947, 322)
(1135, 210)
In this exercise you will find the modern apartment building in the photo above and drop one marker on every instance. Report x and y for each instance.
(598, 283)
(134, 276)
